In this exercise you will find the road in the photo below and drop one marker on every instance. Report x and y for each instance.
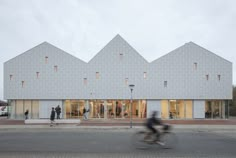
(110, 143)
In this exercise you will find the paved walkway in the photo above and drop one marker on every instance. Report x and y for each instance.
(136, 122)
(125, 123)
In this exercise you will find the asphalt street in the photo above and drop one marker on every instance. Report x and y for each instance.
(110, 143)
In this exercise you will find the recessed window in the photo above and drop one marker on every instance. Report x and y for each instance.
(97, 75)
(22, 84)
(55, 68)
(207, 77)
(121, 56)
(145, 75)
(11, 76)
(85, 81)
(218, 77)
(195, 66)
(165, 83)
(126, 81)
(46, 59)
(37, 74)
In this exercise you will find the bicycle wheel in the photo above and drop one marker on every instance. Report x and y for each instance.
(169, 140)
(138, 140)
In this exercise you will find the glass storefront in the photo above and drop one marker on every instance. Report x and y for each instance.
(74, 108)
(176, 109)
(215, 109)
(105, 108)
(18, 107)
(110, 109)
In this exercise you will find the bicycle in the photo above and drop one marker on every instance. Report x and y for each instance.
(143, 139)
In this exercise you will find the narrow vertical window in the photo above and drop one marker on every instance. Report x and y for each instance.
(121, 56)
(11, 77)
(165, 83)
(85, 81)
(126, 81)
(207, 77)
(218, 77)
(55, 68)
(144, 75)
(46, 59)
(195, 66)
(37, 74)
(97, 75)
(22, 83)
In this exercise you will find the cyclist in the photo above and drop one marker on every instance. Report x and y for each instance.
(153, 120)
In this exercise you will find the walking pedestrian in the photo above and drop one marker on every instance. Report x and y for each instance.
(52, 116)
(26, 114)
(84, 114)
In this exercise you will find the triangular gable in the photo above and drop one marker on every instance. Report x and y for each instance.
(45, 46)
(189, 48)
(115, 47)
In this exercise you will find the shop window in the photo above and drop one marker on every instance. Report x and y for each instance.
(165, 83)
(37, 74)
(207, 77)
(195, 66)
(22, 84)
(46, 59)
(11, 76)
(55, 68)
(218, 77)
(85, 81)
(97, 75)
(144, 75)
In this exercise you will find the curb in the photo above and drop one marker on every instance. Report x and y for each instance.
(74, 126)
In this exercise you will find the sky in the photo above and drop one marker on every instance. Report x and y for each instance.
(83, 27)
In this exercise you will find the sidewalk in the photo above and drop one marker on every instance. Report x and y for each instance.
(125, 124)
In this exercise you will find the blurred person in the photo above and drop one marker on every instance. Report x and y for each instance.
(58, 111)
(26, 114)
(151, 122)
(52, 116)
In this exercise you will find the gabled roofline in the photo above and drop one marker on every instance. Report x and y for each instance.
(173, 51)
(167, 53)
(209, 51)
(117, 36)
(40, 45)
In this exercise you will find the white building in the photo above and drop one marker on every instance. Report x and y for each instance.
(189, 82)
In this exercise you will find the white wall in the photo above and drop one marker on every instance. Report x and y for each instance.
(198, 109)
(153, 105)
(176, 67)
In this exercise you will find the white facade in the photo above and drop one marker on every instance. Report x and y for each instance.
(189, 72)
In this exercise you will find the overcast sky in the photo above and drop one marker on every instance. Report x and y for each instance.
(83, 27)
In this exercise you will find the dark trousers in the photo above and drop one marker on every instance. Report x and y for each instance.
(58, 115)
(154, 131)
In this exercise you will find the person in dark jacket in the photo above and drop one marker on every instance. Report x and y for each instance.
(85, 113)
(58, 111)
(52, 116)
(153, 120)
(26, 114)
